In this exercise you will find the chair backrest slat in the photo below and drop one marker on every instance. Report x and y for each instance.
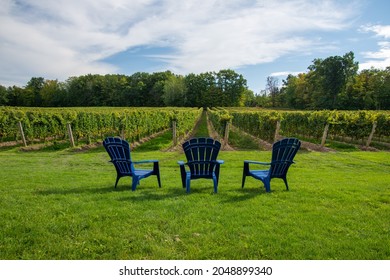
(201, 154)
(119, 152)
(283, 153)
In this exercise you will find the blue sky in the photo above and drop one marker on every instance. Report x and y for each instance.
(64, 38)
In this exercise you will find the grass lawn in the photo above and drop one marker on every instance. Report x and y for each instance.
(61, 204)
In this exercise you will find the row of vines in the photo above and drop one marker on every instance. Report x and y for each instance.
(349, 126)
(93, 124)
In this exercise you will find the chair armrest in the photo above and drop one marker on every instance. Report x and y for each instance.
(180, 162)
(145, 161)
(120, 160)
(220, 161)
(257, 162)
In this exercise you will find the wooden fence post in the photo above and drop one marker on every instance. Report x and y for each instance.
(277, 131)
(174, 133)
(69, 127)
(371, 134)
(226, 134)
(325, 135)
(22, 133)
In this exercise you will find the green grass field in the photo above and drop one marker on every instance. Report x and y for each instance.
(61, 204)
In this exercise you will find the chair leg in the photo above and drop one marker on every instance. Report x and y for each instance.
(156, 170)
(183, 176)
(117, 179)
(188, 182)
(244, 173)
(267, 185)
(285, 182)
(215, 181)
(135, 183)
(243, 180)
(217, 173)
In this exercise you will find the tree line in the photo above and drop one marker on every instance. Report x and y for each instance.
(330, 83)
(223, 88)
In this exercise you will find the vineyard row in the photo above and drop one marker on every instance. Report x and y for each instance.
(93, 124)
(357, 126)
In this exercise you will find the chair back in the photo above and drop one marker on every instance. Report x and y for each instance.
(283, 153)
(119, 152)
(201, 154)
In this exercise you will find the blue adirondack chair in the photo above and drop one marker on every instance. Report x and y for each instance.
(283, 153)
(201, 154)
(119, 151)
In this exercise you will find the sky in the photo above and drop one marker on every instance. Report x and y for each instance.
(256, 38)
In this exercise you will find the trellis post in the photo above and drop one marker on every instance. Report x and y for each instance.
(325, 135)
(277, 131)
(174, 133)
(226, 134)
(70, 133)
(371, 134)
(22, 133)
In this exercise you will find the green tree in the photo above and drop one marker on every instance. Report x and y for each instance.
(155, 88)
(175, 90)
(295, 92)
(17, 96)
(52, 94)
(380, 83)
(33, 90)
(232, 87)
(272, 89)
(248, 98)
(3, 96)
(329, 78)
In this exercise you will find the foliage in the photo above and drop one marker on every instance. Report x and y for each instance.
(330, 83)
(175, 91)
(219, 117)
(356, 125)
(223, 88)
(94, 123)
(334, 83)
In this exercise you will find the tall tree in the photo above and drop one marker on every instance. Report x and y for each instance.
(52, 94)
(272, 88)
(232, 87)
(175, 91)
(33, 89)
(330, 77)
(3, 96)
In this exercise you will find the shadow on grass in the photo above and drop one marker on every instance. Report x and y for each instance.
(154, 193)
(146, 193)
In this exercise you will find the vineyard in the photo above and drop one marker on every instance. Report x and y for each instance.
(89, 125)
(355, 127)
(92, 124)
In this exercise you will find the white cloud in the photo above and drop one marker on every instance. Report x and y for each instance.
(285, 73)
(379, 30)
(59, 39)
(379, 59)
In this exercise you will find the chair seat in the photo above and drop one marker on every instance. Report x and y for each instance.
(142, 172)
(259, 174)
